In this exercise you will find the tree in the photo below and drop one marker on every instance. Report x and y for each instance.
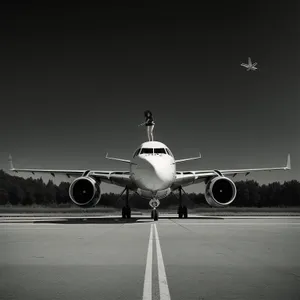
(16, 190)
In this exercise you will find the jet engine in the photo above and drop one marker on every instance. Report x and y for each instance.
(85, 192)
(220, 191)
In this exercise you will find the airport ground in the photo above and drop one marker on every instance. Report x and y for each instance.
(205, 210)
(106, 257)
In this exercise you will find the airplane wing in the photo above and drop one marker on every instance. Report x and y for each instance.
(120, 178)
(244, 65)
(185, 178)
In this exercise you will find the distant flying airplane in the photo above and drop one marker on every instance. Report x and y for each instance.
(249, 66)
(153, 175)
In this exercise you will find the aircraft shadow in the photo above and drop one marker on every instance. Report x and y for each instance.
(110, 220)
(115, 220)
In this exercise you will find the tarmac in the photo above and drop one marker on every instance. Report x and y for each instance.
(199, 258)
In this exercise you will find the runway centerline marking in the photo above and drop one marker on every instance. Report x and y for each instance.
(162, 277)
(147, 293)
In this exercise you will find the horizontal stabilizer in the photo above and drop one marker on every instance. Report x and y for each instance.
(188, 159)
(118, 159)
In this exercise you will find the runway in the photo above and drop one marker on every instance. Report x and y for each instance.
(106, 258)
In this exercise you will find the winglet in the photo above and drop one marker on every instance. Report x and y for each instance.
(11, 166)
(288, 163)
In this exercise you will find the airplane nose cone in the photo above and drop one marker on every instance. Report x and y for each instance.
(153, 173)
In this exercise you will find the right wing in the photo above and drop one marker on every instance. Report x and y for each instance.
(120, 178)
(186, 178)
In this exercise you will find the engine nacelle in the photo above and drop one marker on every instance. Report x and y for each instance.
(85, 192)
(220, 191)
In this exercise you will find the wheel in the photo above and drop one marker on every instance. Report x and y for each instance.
(152, 216)
(128, 212)
(185, 212)
(180, 212)
(124, 212)
(155, 215)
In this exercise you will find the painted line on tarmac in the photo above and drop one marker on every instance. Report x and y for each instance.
(147, 293)
(162, 277)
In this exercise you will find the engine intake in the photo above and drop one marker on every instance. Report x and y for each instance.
(220, 191)
(85, 192)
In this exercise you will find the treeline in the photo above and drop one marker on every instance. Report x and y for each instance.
(19, 191)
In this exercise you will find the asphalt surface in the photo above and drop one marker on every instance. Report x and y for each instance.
(105, 258)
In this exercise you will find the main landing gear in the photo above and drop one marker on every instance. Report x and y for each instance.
(182, 209)
(154, 203)
(126, 210)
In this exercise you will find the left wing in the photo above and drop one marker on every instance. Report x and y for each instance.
(185, 178)
(120, 178)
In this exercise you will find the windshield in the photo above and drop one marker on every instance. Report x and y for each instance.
(159, 151)
(136, 152)
(169, 152)
(147, 151)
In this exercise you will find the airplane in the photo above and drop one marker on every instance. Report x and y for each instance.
(153, 175)
(249, 66)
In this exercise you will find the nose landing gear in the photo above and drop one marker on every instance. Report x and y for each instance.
(154, 203)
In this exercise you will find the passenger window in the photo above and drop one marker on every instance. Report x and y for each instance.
(147, 151)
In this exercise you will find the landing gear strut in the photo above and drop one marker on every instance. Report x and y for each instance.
(154, 203)
(182, 209)
(126, 210)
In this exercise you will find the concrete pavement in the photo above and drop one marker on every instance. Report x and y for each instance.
(197, 258)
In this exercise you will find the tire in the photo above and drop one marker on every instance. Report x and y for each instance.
(155, 215)
(185, 212)
(124, 213)
(180, 212)
(128, 213)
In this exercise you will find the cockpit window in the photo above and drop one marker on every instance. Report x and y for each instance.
(159, 151)
(136, 152)
(169, 152)
(147, 151)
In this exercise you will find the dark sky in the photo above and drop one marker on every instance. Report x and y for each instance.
(76, 79)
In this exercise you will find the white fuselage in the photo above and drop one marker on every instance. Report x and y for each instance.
(153, 173)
